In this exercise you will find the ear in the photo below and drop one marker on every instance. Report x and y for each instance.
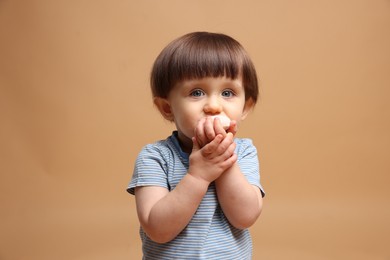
(248, 107)
(164, 107)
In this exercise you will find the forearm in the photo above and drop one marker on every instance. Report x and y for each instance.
(241, 202)
(168, 216)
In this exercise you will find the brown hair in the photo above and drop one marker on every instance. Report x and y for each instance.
(202, 54)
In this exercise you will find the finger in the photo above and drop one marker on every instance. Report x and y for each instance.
(200, 134)
(218, 128)
(209, 128)
(230, 161)
(225, 144)
(233, 127)
(229, 151)
(212, 146)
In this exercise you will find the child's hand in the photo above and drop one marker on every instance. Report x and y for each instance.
(208, 128)
(210, 161)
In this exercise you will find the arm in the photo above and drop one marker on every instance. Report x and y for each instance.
(163, 214)
(241, 202)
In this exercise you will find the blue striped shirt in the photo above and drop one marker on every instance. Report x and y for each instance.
(209, 235)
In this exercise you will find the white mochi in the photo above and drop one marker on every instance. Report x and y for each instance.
(225, 121)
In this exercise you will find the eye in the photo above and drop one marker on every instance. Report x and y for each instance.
(227, 93)
(197, 93)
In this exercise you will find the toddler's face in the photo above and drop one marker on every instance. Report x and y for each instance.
(192, 100)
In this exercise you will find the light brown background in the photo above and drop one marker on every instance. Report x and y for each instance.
(75, 110)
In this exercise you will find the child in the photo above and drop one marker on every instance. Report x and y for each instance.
(199, 190)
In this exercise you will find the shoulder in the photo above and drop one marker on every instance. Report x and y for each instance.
(162, 148)
(158, 154)
(244, 141)
(244, 146)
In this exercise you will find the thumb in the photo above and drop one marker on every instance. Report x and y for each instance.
(233, 127)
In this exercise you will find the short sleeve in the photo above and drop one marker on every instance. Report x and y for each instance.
(249, 162)
(150, 169)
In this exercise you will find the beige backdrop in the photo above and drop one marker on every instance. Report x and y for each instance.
(75, 110)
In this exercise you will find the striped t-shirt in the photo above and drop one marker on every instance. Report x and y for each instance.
(209, 234)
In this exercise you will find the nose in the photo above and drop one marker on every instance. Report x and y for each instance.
(212, 106)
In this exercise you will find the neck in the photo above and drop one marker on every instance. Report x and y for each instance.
(185, 143)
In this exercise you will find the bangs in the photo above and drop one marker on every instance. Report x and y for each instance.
(199, 55)
(205, 58)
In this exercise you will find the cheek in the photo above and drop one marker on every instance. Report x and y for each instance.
(189, 121)
(236, 111)
(186, 120)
